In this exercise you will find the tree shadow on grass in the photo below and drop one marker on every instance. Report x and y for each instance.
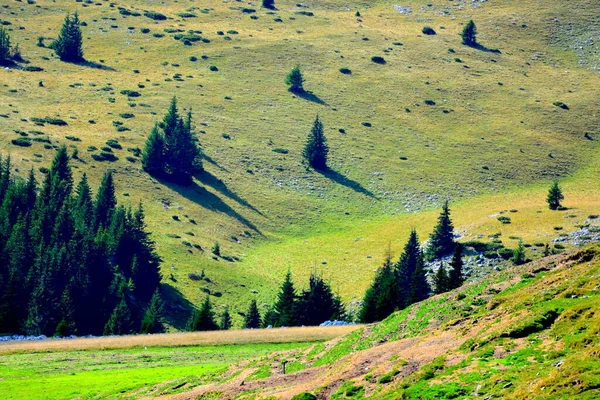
(178, 307)
(217, 184)
(478, 46)
(213, 162)
(95, 65)
(345, 181)
(208, 200)
(310, 96)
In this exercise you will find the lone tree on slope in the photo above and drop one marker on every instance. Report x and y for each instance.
(295, 80)
(316, 149)
(555, 196)
(441, 241)
(469, 34)
(69, 45)
(4, 47)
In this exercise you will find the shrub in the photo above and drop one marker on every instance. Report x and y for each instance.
(345, 71)
(560, 104)
(280, 150)
(126, 115)
(186, 15)
(145, 30)
(213, 68)
(130, 93)
(23, 142)
(105, 156)
(114, 144)
(49, 120)
(155, 15)
(304, 396)
(429, 102)
(73, 138)
(504, 219)
(378, 60)
(427, 30)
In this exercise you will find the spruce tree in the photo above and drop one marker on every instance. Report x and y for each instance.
(106, 200)
(203, 319)
(153, 317)
(153, 156)
(225, 322)
(456, 278)
(252, 318)
(317, 303)
(419, 288)
(5, 58)
(84, 205)
(285, 306)
(518, 257)
(270, 318)
(295, 80)
(69, 46)
(270, 4)
(441, 241)
(410, 260)
(555, 196)
(316, 149)
(120, 321)
(382, 296)
(469, 33)
(441, 280)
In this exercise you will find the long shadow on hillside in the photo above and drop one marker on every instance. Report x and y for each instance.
(210, 160)
(94, 65)
(178, 307)
(310, 96)
(217, 184)
(208, 200)
(478, 46)
(345, 181)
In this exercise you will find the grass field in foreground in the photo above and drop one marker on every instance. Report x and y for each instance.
(114, 367)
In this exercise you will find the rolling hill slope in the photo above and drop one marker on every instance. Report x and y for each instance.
(493, 140)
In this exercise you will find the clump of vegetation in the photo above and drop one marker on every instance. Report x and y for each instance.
(469, 34)
(268, 4)
(378, 60)
(5, 47)
(69, 45)
(155, 15)
(345, 71)
(427, 30)
(22, 141)
(555, 196)
(130, 93)
(504, 219)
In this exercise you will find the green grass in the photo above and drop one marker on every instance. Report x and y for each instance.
(306, 218)
(116, 373)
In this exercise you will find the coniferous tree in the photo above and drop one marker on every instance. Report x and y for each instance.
(317, 303)
(106, 200)
(153, 317)
(382, 296)
(405, 271)
(153, 156)
(441, 241)
(119, 322)
(419, 288)
(5, 57)
(455, 278)
(316, 149)
(555, 196)
(295, 80)
(203, 319)
(252, 318)
(441, 280)
(270, 4)
(270, 318)
(69, 45)
(469, 33)
(225, 322)
(285, 306)
(518, 257)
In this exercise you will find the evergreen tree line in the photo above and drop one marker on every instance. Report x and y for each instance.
(398, 285)
(71, 263)
(171, 150)
(312, 306)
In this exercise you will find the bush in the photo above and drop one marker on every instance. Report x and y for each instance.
(130, 93)
(427, 30)
(378, 60)
(155, 15)
(73, 138)
(213, 68)
(114, 144)
(49, 120)
(186, 15)
(504, 219)
(560, 104)
(145, 30)
(126, 115)
(105, 156)
(304, 396)
(345, 71)
(280, 150)
(31, 68)
(429, 102)
(23, 142)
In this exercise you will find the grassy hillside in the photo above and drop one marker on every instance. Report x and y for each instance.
(527, 332)
(493, 140)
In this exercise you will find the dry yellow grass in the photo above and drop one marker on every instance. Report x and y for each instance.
(214, 338)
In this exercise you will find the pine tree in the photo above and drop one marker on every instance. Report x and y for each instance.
(153, 156)
(382, 296)
(84, 206)
(252, 318)
(456, 278)
(225, 322)
(5, 57)
(441, 241)
(295, 80)
(146, 273)
(441, 280)
(469, 34)
(270, 4)
(410, 260)
(106, 200)
(419, 288)
(317, 303)
(285, 306)
(270, 318)
(203, 319)
(153, 317)
(69, 45)
(518, 257)
(316, 149)
(555, 196)
(120, 321)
